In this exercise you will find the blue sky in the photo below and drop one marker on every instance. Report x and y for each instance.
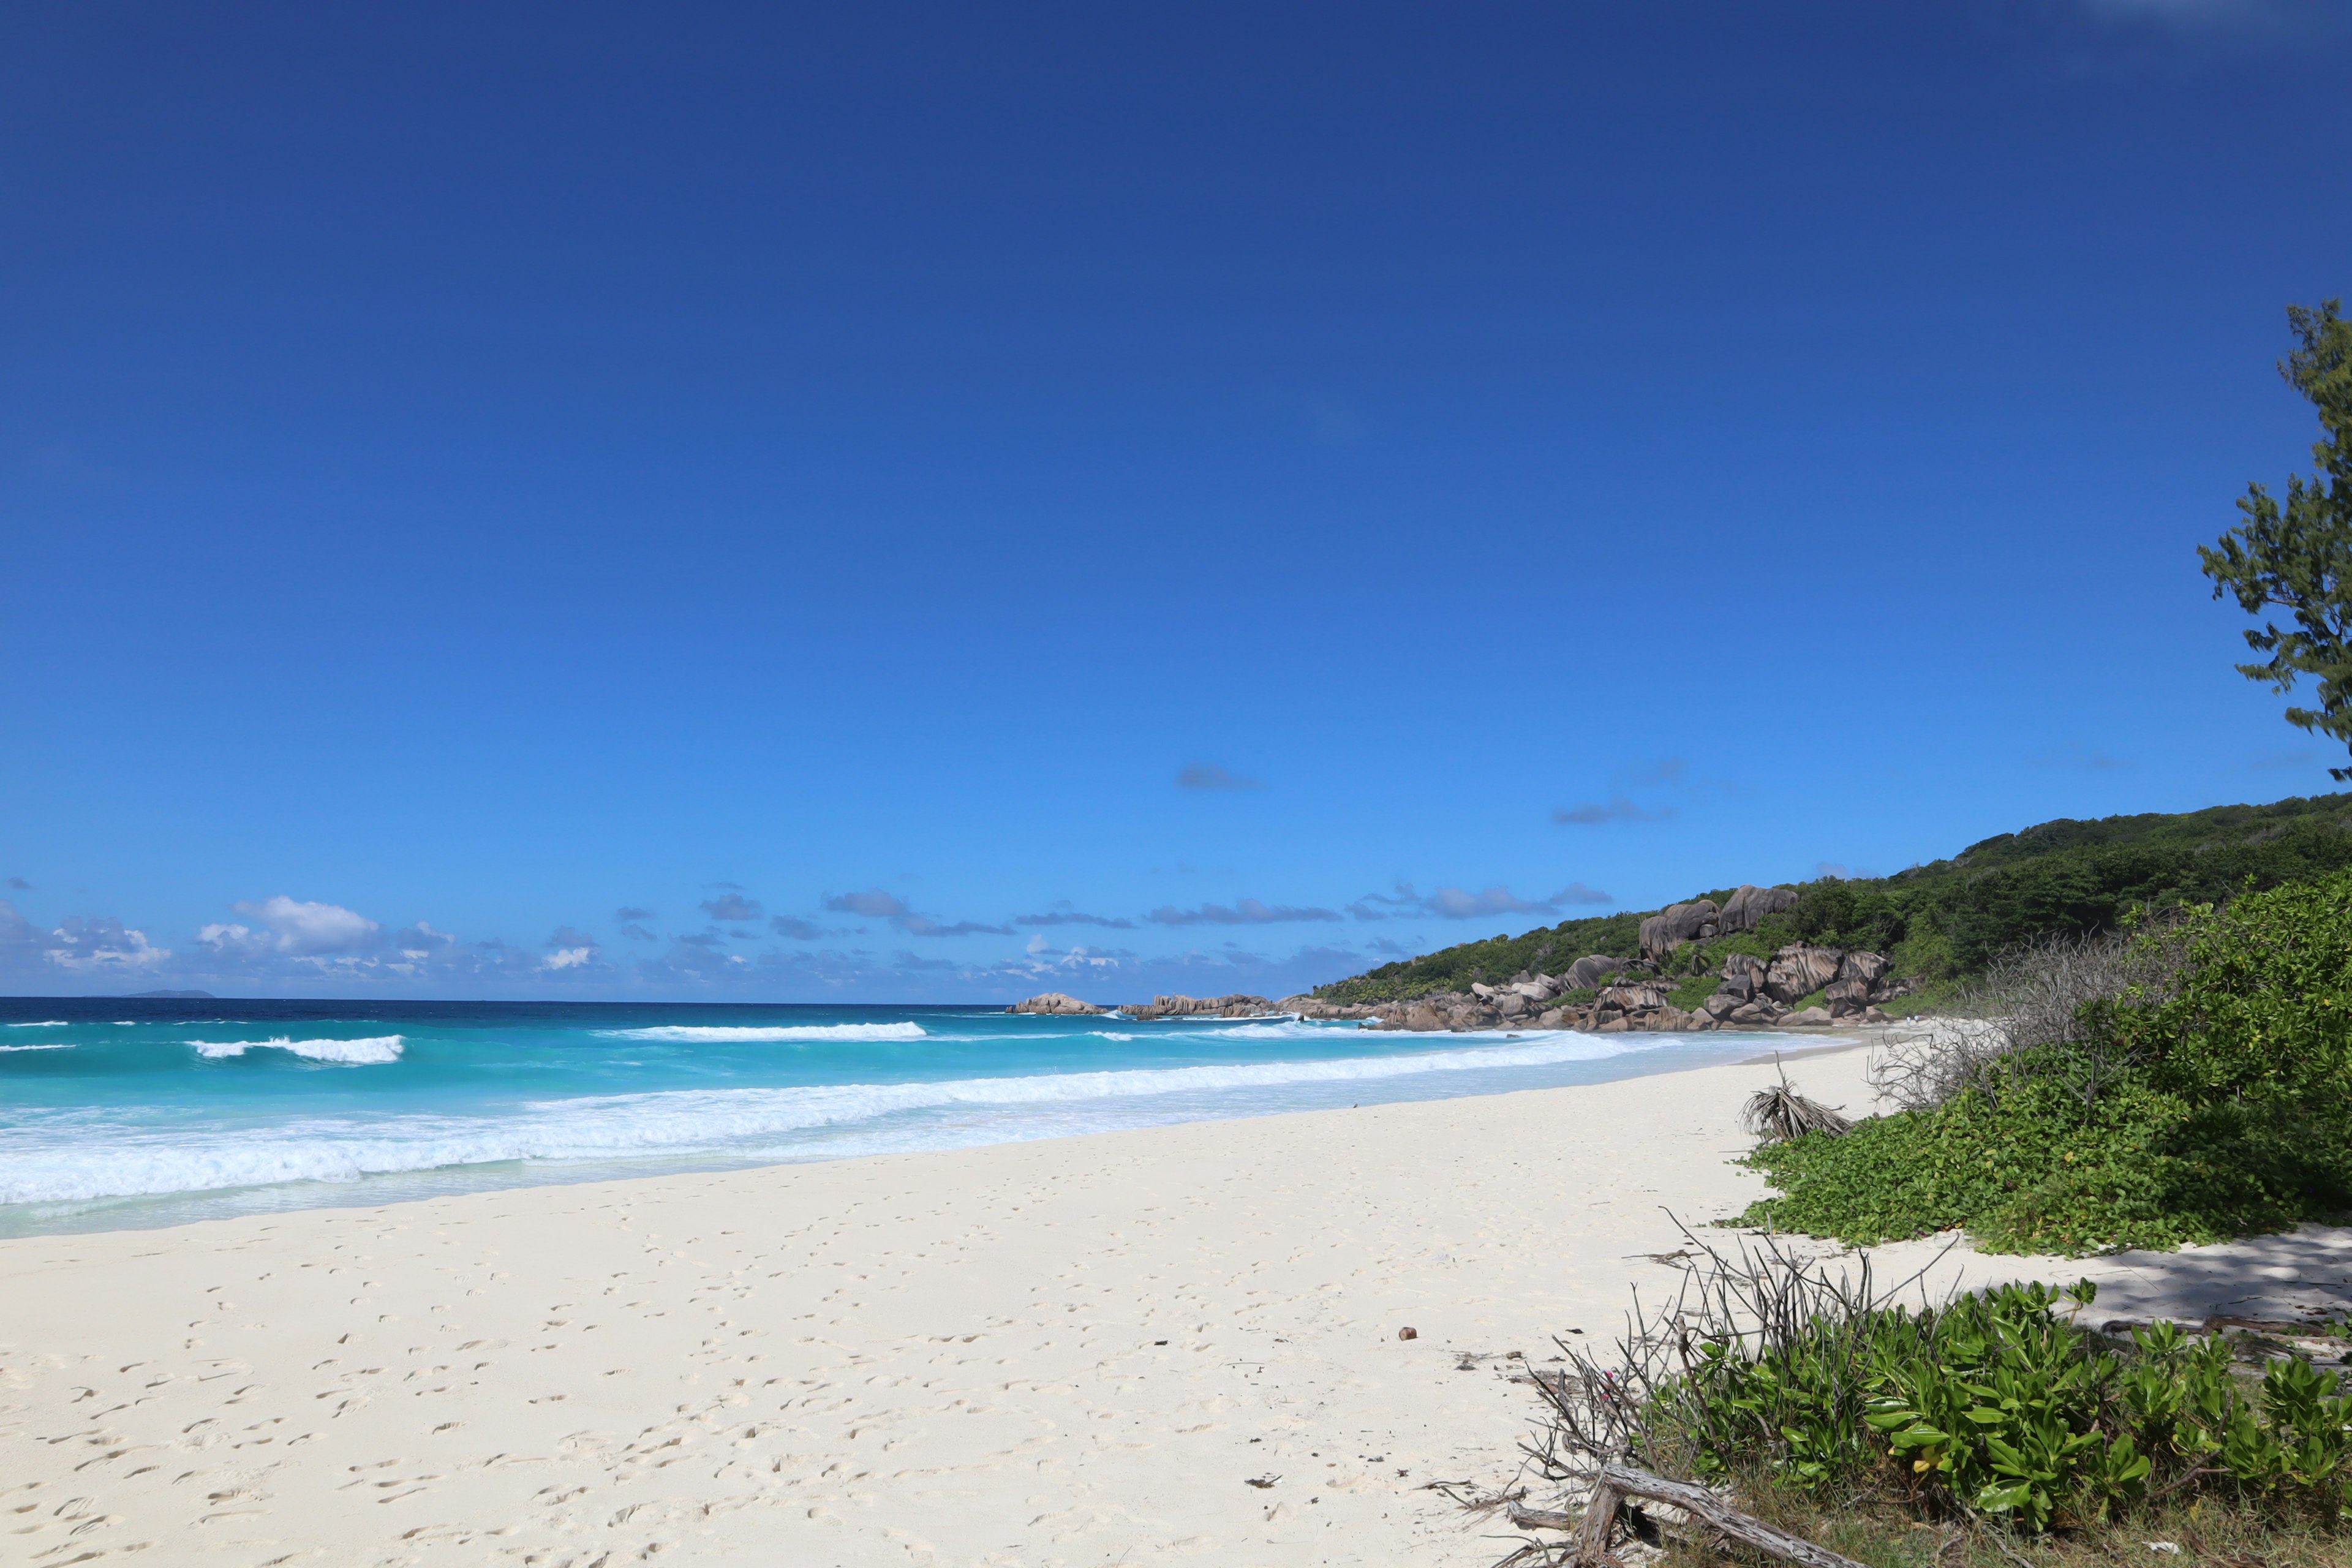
(935, 502)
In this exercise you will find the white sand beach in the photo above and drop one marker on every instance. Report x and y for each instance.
(1072, 1351)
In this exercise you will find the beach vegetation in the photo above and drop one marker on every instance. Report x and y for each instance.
(2187, 1082)
(1902, 1431)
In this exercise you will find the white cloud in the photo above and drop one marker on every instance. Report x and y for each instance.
(230, 940)
(570, 957)
(103, 945)
(1038, 943)
(305, 930)
(421, 941)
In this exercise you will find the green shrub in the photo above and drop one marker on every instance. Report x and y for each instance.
(1999, 1406)
(2218, 1105)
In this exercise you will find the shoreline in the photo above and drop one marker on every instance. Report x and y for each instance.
(396, 1185)
(1050, 1352)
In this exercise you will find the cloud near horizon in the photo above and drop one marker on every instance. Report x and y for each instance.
(732, 907)
(1460, 904)
(873, 903)
(1242, 912)
(292, 927)
(920, 925)
(1063, 915)
(96, 945)
(792, 928)
(876, 904)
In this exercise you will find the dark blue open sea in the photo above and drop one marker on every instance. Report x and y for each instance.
(120, 1113)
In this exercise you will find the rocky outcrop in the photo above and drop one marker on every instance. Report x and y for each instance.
(1867, 967)
(1743, 977)
(1676, 925)
(1799, 970)
(1057, 1003)
(1750, 904)
(1316, 1007)
(1237, 1005)
(1587, 974)
(1701, 918)
(1844, 996)
(1752, 992)
(1532, 1002)
(1755, 992)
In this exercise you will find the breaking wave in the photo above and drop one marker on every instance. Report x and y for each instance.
(374, 1052)
(74, 1160)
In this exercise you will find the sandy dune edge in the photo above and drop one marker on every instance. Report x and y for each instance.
(1072, 1351)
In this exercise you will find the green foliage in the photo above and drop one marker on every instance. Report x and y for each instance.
(1693, 990)
(2262, 1015)
(2028, 1170)
(1550, 949)
(2298, 557)
(1997, 1406)
(1835, 912)
(1947, 920)
(2220, 1108)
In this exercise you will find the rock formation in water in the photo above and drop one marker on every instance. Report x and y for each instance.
(1237, 1005)
(1057, 1002)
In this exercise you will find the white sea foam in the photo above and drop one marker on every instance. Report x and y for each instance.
(372, 1052)
(57, 1047)
(49, 1023)
(73, 1158)
(687, 1034)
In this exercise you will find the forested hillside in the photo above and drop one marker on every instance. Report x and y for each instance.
(1947, 920)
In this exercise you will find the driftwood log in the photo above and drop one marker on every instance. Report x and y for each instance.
(1617, 1482)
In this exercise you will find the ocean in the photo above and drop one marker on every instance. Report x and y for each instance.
(129, 1114)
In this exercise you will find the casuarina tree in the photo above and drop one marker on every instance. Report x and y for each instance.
(2297, 557)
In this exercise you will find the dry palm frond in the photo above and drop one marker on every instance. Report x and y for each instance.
(1780, 1114)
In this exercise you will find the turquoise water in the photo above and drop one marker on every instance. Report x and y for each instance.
(120, 1113)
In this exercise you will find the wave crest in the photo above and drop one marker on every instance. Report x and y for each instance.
(373, 1052)
(77, 1162)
